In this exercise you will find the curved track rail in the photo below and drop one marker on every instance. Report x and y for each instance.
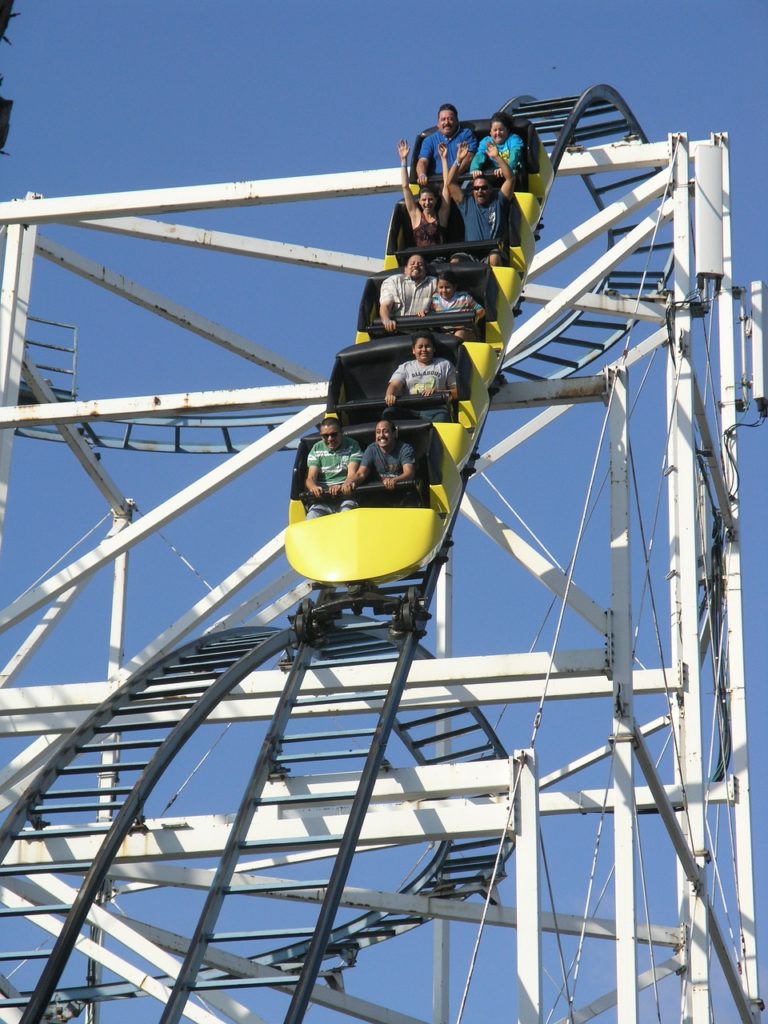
(598, 117)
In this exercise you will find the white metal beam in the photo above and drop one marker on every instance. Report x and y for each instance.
(238, 245)
(585, 281)
(395, 825)
(462, 912)
(620, 646)
(79, 447)
(686, 527)
(43, 710)
(137, 976)
(121, 931)
(598, 303)
(14, 308)
(185, 499)
(151, 301)
(528, 890)
(552, 577)
(256, 606)
(734, 601)
(322, 995)
(207, 604)
(199, 197)
(625, 155)
(597, 225)
(645, 980)
(186, 403)
(38, 634)
(571, 391)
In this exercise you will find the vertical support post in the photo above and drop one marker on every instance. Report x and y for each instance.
(441, 952)
(686, 642)
(528, 889)
(620, 647)
(729, 394)
(110, 758)
(119, 589)
(14, 308)
(678, 145)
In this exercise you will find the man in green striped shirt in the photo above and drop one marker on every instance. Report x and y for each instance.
(332, 466)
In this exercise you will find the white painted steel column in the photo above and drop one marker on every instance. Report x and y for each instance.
(110, 758)
(679, 155)
(729, 393)
(620, 653)
(441, 955)
(14, 308)
(528, 891)
(687, 640)
(119, 591)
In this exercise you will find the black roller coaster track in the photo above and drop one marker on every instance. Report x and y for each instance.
(150, 718)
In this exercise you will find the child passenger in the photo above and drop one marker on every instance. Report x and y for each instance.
(424, 376)
(448, 300)
(509, 145)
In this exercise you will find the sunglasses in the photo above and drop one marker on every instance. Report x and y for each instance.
(331, 433)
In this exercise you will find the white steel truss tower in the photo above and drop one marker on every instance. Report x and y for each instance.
(619, 802)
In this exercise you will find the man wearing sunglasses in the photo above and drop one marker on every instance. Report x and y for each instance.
(332, 466)
(485, 211)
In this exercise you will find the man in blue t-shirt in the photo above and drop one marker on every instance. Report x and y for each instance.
(332, 466)
(449, 132)
(485, 211)
(390, 460)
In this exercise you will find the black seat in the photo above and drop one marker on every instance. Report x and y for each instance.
(361, 373)
(473, 277)
(400, 235)
(520, 126)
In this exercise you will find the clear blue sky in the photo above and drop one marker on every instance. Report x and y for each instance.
(115, 96)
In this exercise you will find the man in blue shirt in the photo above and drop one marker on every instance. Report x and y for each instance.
(389, 460)
(449, 132)
(485, 211)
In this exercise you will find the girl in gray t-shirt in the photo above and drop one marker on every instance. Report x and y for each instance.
(424, 375)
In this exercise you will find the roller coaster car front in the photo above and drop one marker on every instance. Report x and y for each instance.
(393, 533)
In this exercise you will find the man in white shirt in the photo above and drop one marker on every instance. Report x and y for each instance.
(406, 294)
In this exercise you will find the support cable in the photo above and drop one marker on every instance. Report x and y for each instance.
(77, 543)
(195, 770)
(714, 847)
(181, 557)
(522, 522)
(647, 580)
(575, 964)
(646, 910)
